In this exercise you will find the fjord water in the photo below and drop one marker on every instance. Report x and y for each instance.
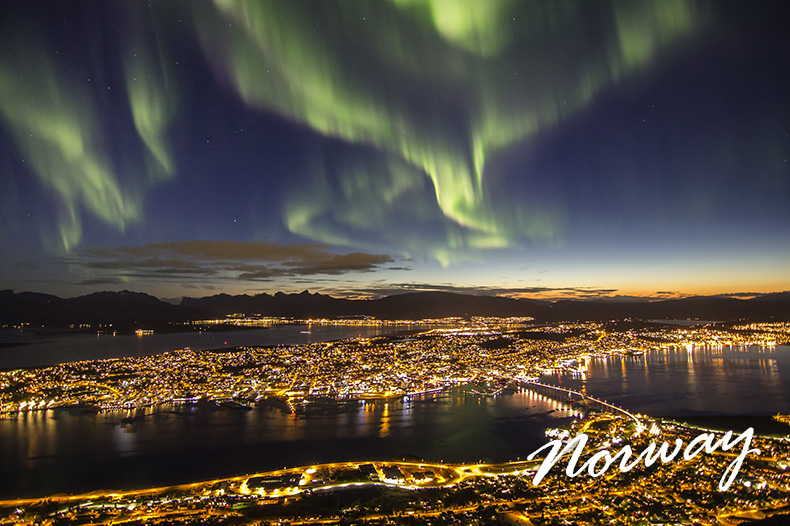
(690, 381)
(60, 451)
(18, 349)
(43, 453)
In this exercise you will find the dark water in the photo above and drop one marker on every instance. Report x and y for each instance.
(692, 381)
(34, 350)
(58, 451)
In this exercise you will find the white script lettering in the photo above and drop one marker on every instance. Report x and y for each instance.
(705, 441)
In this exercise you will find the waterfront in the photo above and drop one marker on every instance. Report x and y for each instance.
(18, 349)
(54, 450)
(690, 381)
(429, 493)
(69, 451)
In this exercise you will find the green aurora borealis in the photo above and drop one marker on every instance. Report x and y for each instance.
(468, 143)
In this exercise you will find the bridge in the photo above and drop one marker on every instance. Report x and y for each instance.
(553, 390)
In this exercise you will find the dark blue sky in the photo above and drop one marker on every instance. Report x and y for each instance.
(545, 149)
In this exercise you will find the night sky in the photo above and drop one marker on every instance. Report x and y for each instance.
(362, 148)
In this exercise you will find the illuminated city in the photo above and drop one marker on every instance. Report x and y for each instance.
(478, 353)
(486, 357)
(442, 493)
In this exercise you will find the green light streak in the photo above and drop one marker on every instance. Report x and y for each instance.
(152, 102)
(277, 64)
(53, 123)
(476, 26)
(435, 90)
(643, 30)
(437, 86)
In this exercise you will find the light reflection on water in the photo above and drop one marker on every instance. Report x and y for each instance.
(58, 451)
(54, 451)
(691, 381)
(44, 349)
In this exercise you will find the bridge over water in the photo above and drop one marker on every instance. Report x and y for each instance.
(565, 395)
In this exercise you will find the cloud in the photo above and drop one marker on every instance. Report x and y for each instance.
(341, 263)
(101, 281)
(221, 260)
(743, 295)
(548, 293)
(219, 251)
(382, 288)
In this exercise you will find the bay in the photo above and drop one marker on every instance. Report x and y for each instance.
(26, 349)
(42, 453)
(49, 452)
(688, 381)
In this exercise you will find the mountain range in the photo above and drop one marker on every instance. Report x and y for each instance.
(127, 308)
